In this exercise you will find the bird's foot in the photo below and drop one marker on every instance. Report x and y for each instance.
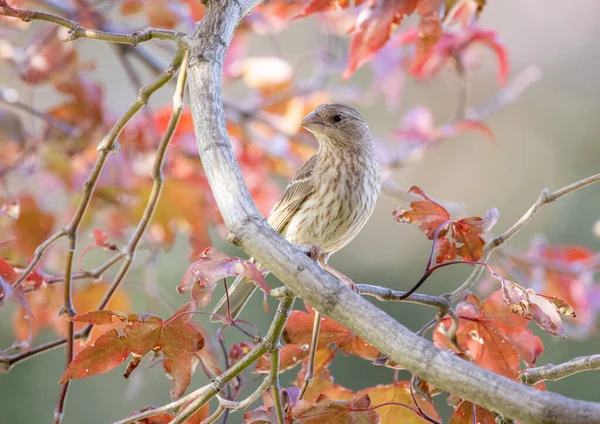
(314, 252)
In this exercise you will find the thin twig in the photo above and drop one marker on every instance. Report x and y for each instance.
(388, 295)
(77, 31)
(9, 361)
(69, 310)
(215, 415)
(37, 256)
(314, 343)
(544, 198)
(533, 376)
(245, 403)
(275, 389)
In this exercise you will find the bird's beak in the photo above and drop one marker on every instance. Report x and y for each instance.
(313, 122)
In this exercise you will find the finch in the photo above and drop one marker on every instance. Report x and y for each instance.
(332, 195)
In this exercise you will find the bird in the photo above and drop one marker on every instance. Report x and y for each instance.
(330, 198)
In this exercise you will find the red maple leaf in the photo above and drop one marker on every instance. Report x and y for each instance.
(298, 330)
(491, 335)
(373, 29)
(202, 276)
(177, 338)
(452, 238)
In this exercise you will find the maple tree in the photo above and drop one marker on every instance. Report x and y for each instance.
(135, 181)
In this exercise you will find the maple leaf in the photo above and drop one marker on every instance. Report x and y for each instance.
(467, 413)
(325, 410)
(298, 330)
(373, 28)
(177, 338)
(544, 310)
(395, 395)
(491, 335)
(452, 238)
(202, 276)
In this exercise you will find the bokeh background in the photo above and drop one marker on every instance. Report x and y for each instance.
(547, 138)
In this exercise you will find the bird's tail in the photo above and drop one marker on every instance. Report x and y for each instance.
(239, 293)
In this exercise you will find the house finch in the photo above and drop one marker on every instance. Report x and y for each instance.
(332, 195)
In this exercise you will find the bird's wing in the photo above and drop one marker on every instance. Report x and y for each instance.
(293, 196)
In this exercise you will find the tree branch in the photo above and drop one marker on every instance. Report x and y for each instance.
(305, 278)
(388, 295)
(76, 31)
(533, 376)
(544, 198)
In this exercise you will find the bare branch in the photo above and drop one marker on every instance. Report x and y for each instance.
(544, 198)
(77, 31)
(305, 278)
(533, 376)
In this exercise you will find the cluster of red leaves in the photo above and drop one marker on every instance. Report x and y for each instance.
(452, 238)
(325, 400)
(177, 338)
(490, 335)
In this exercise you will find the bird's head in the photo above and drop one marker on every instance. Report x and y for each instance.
(338, 125)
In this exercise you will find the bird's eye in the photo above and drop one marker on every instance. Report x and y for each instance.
(337, 118)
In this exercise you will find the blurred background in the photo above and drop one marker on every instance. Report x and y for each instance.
(546, 138)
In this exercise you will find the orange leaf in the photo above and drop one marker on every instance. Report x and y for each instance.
(177, 338)
(492, 336)
(298, 330)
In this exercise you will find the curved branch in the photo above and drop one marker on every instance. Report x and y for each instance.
(305, 278)
(533, 376)
(76, 31)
